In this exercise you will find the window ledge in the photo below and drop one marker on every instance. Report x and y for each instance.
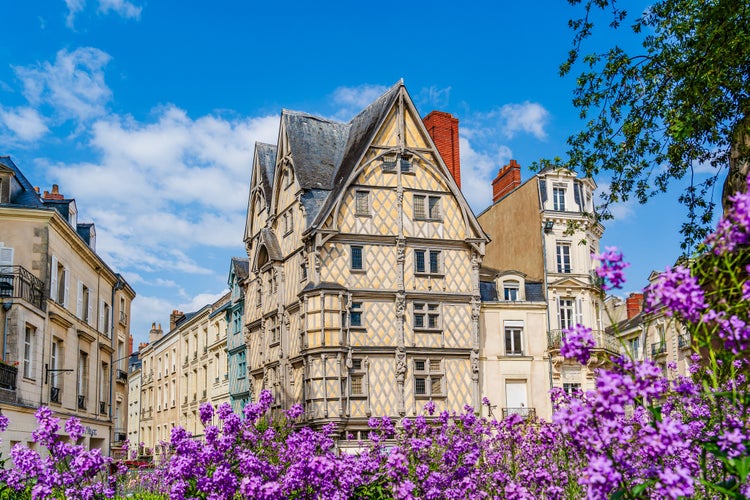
(358, 271)
(426, 219)
(274, 344)
(430, 396)
(422, 329)
(358, 397)
(360, 328)
(428, 275)
(366, 216)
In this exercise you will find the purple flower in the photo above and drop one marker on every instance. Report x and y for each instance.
(294, 412)
(678, 292)
(74, 428)
(3, 423)
(577, 343)
(610, 268)
(206, 412)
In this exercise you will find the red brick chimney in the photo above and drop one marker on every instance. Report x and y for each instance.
(633, 304)
(54, 195)
(142, 346)
(508, 179)
(443, 128)
(130, 344)
(176, 315)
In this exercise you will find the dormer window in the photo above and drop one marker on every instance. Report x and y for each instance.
(389, 162)
(510, 290)
(405, 164)
(558, 198)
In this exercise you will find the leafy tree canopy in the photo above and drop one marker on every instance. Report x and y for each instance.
(681, 101)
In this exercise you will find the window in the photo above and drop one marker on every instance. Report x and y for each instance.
(357, 262)
(362, 203)
(513, 341)
(55, 364)
(356, 378)
(28, 352)
(355, 314)
(274, 330)
(510, 290)
(563, 257)
(104, 314)
(288, 223)
(302, 268)
(428, 378)
(634, 347)
(84, 305)
(571, 388)
(405, 164)
(58, 288)
(83, 378)
(426, 207)
(558, 198)
(566, 309)
(427, 261)
(389, 162)
(426, 316)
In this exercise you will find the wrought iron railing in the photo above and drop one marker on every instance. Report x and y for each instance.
(16, 282)
(523, 412)
(54, 394)
(8, 376)
(683, 341)
(122, 376)
(81, 402)
(120, 435)
(103, 407)
(602, 340)
(658, 348)
(123, 317)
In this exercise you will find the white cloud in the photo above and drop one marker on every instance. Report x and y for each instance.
(477, 171)
(24, 123)
(433, 97)
(620, 210)
(200, 300)
(74, 7)
(73, 86)
(121, 7)
(352, 100)
(528, 117)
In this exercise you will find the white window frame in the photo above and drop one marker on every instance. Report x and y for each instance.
(566, 306)
(559, 191)
(28, 351)
(563, 256)
(513, 327)
(511, 286)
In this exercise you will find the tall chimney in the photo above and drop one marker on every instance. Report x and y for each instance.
(508, 179)
(443, 128)
(154, 334)
(173, 318)
(130, 344)
(633, 304)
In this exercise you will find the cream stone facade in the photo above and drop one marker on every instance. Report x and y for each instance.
(64, 313)
(363, 291)
(514, 365)
(218, 365)
(545, 229)
(159, 387)
(134, 403)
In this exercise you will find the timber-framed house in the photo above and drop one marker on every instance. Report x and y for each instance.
(362, 295)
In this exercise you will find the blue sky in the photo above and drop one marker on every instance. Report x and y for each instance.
(146, 113)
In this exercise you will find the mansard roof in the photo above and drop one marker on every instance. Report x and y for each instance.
(240, 267)
(27, 195)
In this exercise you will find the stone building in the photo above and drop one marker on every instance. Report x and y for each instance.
(362, 296)
(544, 228)
(65, 317)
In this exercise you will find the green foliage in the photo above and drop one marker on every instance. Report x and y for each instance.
(679, 102)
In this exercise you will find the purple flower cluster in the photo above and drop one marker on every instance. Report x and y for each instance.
(577, 343)
(679, 293)
(611, 266)
(733, 229)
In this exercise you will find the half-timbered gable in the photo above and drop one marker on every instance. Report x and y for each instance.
(375, 254)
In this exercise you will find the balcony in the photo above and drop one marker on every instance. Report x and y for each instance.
(8, 376)
(54, 395)
(81, 402)
(123, 317)
(683, 341)
(120, 436)
(523, 412)
(122, 376)
(602, 340)
(18, 283)
(658, 349)
(102, 407)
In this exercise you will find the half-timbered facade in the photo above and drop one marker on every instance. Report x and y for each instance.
(362, 297)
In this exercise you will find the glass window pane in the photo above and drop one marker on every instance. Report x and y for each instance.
(419, 261)
(434, 261)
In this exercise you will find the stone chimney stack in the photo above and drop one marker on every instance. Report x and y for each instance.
(155, 333)
(634, 304)
(508, 179)
(173, 318)
(443, 128)
(54, 195)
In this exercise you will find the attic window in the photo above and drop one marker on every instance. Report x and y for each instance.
(406, 165)
(389, 162)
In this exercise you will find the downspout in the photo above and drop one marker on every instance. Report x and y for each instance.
(118, 286)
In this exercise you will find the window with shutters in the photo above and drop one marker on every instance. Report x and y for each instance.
(84, 306)
(362, 203)
(104, 318)
(59, 282)
(426, 316)
(429, 378)
(566, 310)
(427, 207)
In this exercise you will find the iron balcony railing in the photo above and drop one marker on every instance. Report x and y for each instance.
(683, 341)
(523, 412)
(102, 407)
(658, 348)
(81, 402)
(54, 394)
(122, 376)
(16, 282)
(8, 376)
(602, 340)
(120, 436)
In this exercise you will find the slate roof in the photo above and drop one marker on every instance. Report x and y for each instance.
(268, 238)
(488, 291)
(241, 267)
(266, 154)
(27, 196)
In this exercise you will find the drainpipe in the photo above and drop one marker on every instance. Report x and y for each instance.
(118, 286)
(6, 308)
